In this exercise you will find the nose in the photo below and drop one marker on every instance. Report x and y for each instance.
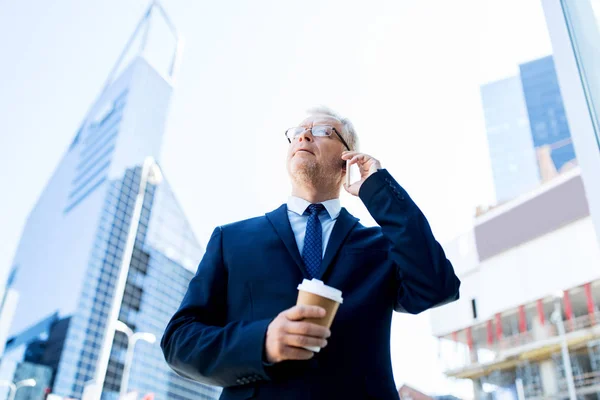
(306, 135)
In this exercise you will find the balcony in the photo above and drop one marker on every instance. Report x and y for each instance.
(537, 344)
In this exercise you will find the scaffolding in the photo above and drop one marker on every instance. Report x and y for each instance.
(529, 373)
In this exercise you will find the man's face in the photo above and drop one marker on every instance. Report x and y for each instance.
(315, 159)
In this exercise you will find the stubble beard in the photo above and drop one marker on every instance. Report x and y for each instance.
(319, 176)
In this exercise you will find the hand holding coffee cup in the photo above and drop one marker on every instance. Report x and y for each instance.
(289, 334)
(316, 293)
(299, 332)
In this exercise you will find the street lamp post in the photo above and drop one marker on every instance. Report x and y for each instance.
(520, 389)
(13, 387)
(560, 326)
(132, 338)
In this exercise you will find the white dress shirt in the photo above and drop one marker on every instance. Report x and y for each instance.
(295, 209)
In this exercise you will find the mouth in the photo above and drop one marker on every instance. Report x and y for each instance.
(304, 151)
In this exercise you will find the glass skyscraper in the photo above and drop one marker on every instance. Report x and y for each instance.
(75, 244)
(528, 133)
(547, 119)
(514, 164)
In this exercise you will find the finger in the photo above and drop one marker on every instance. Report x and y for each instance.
(356, 159)
(361, 158)
(346, 155)
(296, 353)
(353, 154)
(299, 312)
(304, 341)
(306, 329)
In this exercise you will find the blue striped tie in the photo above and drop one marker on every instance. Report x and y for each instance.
(313, 240)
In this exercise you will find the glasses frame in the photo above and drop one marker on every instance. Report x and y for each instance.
(311, 128)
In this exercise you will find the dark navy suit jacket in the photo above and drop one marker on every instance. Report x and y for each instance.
(250, 273)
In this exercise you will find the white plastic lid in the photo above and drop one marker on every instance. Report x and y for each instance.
(319, 288)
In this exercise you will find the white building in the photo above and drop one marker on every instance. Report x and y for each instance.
(513, 265)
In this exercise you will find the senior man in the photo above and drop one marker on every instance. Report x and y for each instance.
(238, 326)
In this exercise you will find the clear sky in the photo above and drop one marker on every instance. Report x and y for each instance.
(406, 72)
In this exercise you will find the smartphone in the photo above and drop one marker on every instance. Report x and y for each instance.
(351, 173)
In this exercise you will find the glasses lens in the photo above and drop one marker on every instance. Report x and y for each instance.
(293, 132)
(322, 131)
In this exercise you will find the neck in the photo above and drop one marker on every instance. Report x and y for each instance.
(314, 194)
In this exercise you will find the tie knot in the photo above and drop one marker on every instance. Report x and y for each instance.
(315, 209)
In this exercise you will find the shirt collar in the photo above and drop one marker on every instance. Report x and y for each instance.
(299, 205)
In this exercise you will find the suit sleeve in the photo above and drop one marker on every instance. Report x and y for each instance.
(199, 344)
(425, 277)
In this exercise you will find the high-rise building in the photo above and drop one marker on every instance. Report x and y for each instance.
(528, 133)
(514, 164)
(31, 354)
(108, 240)
(547, 119)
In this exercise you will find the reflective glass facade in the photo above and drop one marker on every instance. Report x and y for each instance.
(583, 23)
(527, 129)
(42, 375)
(576, 33)
(156, 284)
(512, 154)
(549, 126)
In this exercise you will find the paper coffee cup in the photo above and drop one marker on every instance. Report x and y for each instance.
(316, 293)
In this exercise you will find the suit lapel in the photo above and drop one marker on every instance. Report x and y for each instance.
(280, 221)
(343, 225)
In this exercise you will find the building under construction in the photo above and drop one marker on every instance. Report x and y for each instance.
(530, 268)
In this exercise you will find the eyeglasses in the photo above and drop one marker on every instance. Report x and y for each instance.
(317, 131)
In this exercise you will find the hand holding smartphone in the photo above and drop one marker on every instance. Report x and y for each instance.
(364, 167)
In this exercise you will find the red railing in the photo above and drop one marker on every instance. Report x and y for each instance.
(548, 330)
(582, 322)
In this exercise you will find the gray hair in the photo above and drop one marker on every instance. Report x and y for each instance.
(348, 132)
